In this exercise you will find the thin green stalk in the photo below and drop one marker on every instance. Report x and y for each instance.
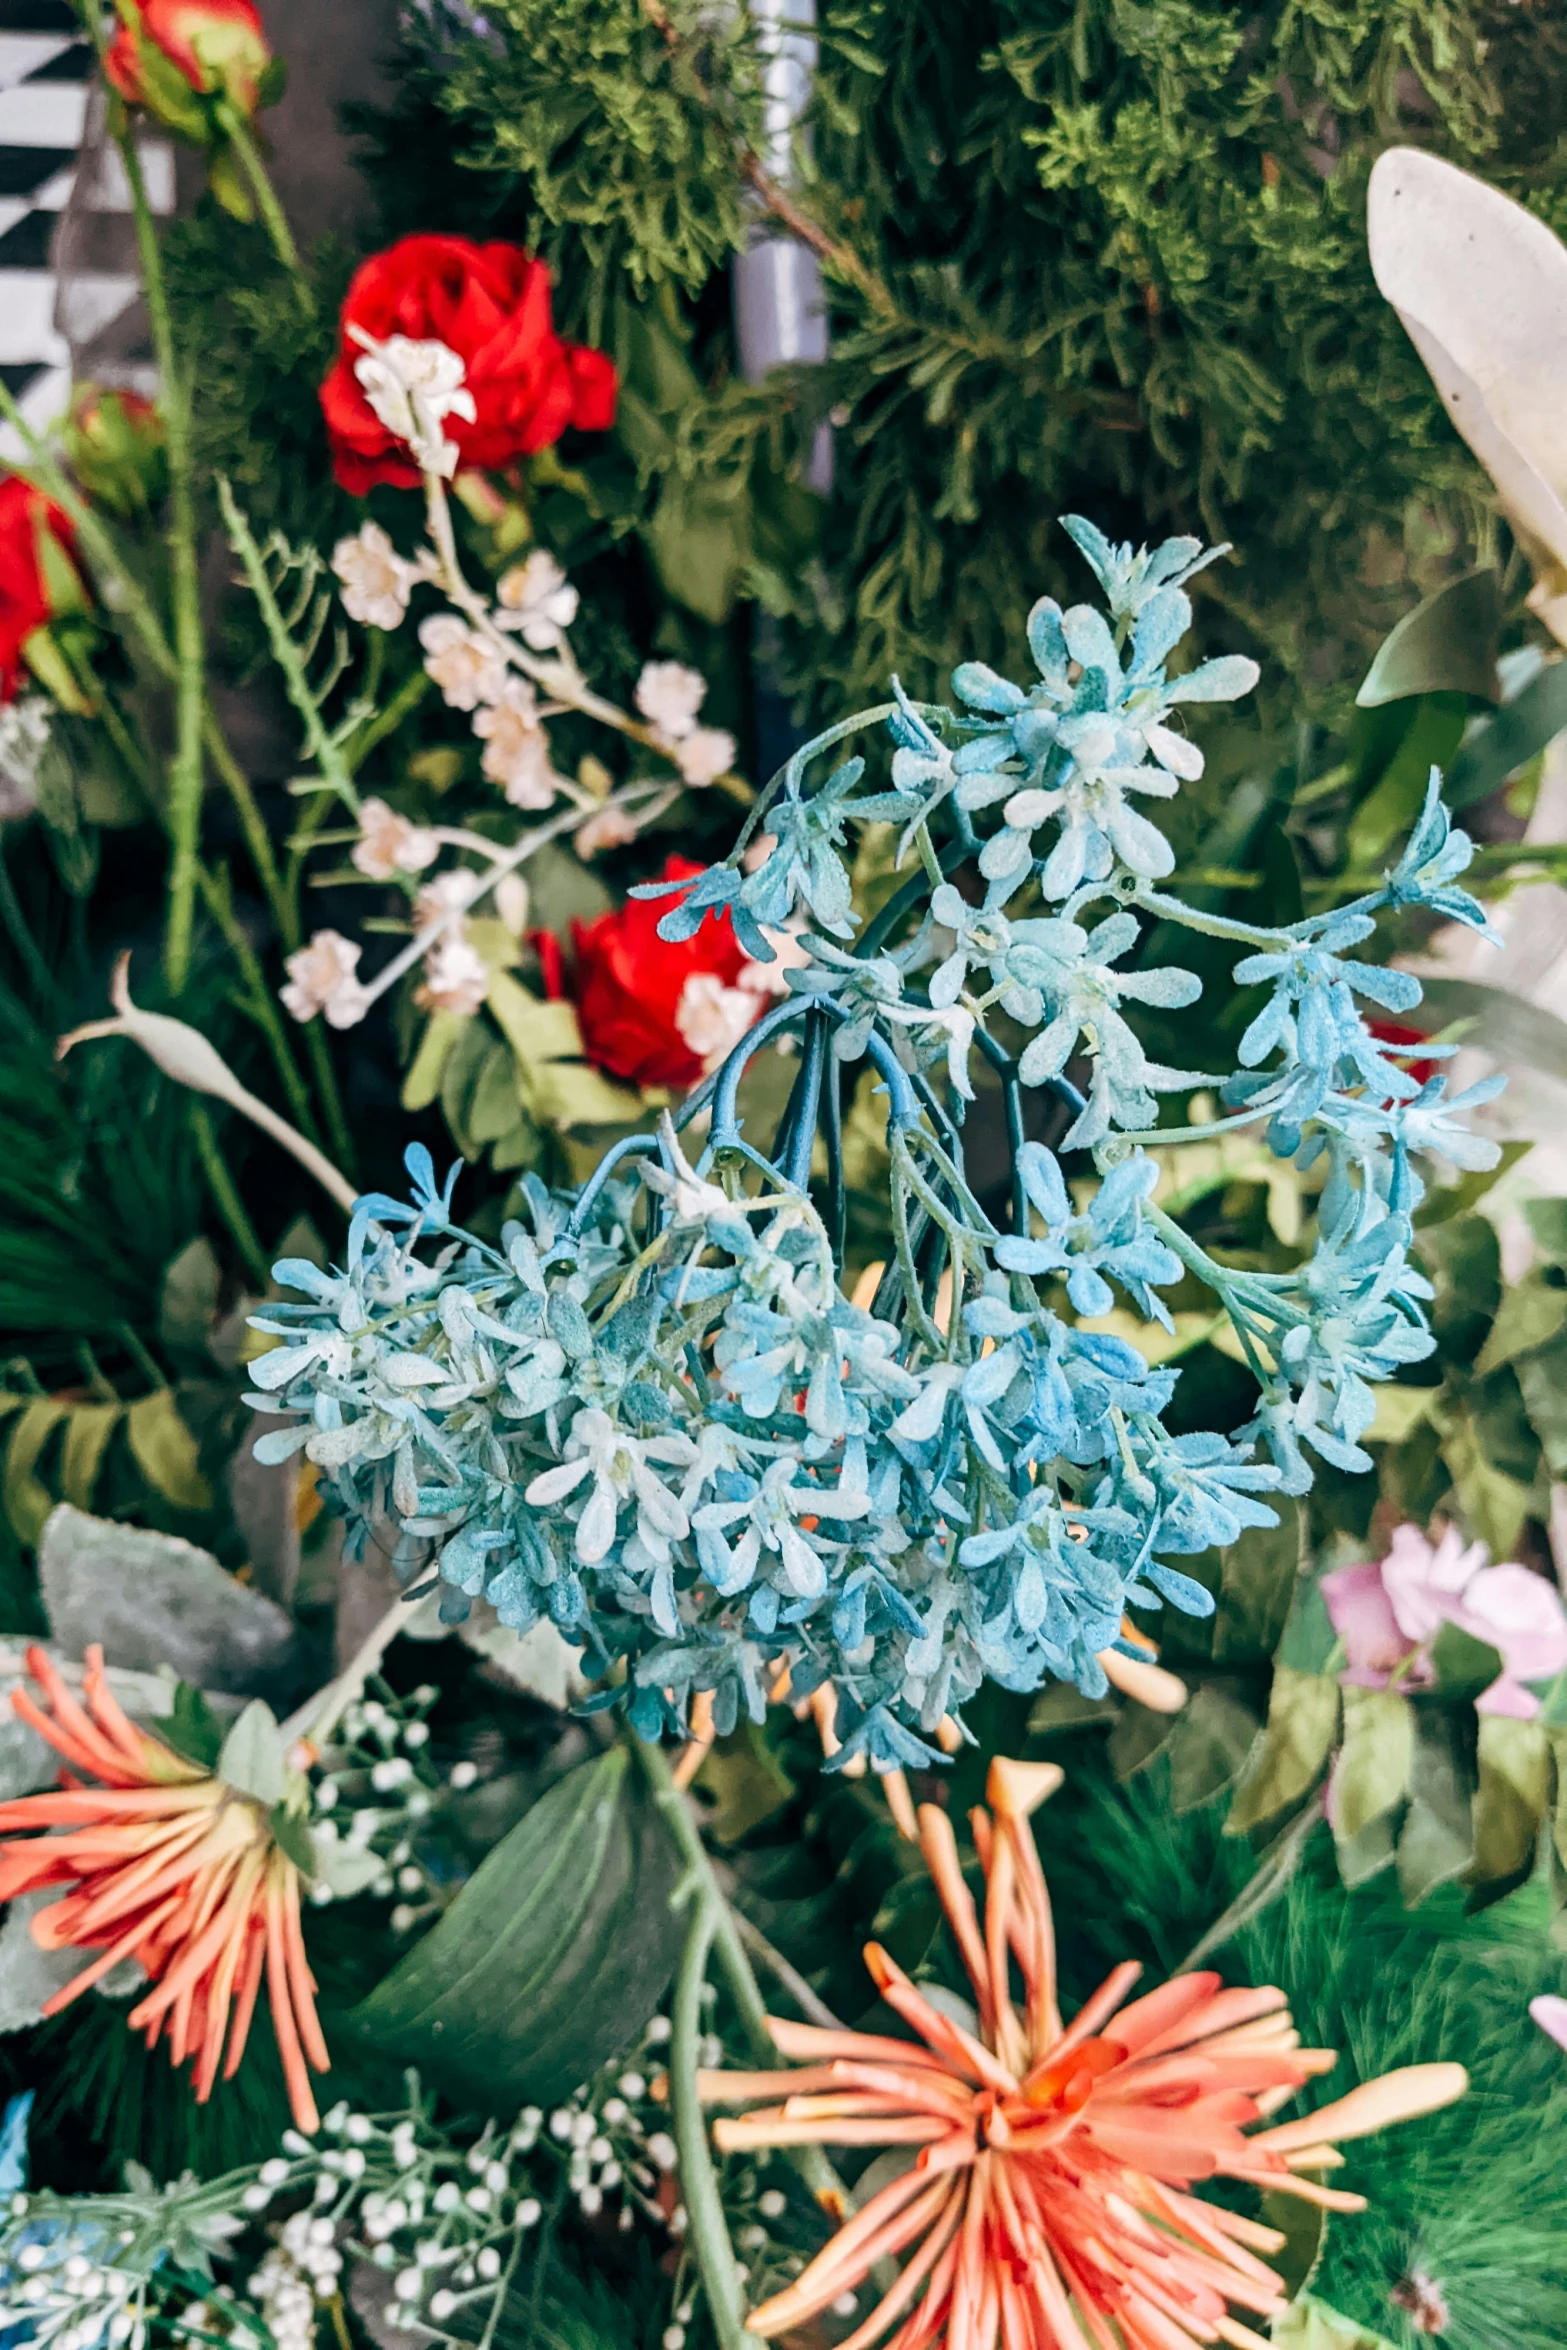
(253, 825)
(675, 1809)
(707, 2232)
(186, 773)
(22, 939)
(375, 730)
(325, 1075)
(225, 1196)
(262, 1006)
(274, 219)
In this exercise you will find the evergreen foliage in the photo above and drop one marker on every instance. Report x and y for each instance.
(1111, 256)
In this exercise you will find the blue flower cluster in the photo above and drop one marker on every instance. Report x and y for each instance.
(651, 1415)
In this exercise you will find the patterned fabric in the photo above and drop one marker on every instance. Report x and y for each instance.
(68, 294)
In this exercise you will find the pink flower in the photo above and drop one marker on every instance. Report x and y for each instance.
(1550, 2013)
(1389, 1614)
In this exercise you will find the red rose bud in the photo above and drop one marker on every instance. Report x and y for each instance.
(653, 1012)
(39, 583)
(114, 445)
(491, 305)
(170, 56)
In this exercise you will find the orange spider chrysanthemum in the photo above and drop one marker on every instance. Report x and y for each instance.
(1048, 2204)
(169, 1865)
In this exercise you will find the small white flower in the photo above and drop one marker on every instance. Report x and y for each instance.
(24, 738)
(611, 828)
(376, 581)
(512, 902)
(447, 893)
(711, 1018)
(389, 844)
(413, 387)
(516, 746)
(669, 695)
(537, 601)
(467, 669)
(322, 978)
(704, 754)
(456, 979)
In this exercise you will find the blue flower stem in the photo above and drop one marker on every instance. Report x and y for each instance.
(794, 768)
(1176, 910)
(832, 1138)
(1214, 1276)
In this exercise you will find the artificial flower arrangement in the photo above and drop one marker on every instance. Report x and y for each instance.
(658, 1427)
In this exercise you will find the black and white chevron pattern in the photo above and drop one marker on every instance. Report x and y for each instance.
(66, 300)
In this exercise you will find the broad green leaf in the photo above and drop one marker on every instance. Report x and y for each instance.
(191, 1727)
(1431, 734)
(165, 1451)
(28, 1500)
(1494, 1503)
(1303, 1719)
(1547, 1220)
(252, 1758)
(1518, 733)
(1463, 1665)
(535, 1030)
(1444, 1201)
(699, 540)
(1505, 1025)
(1213, 1736)
(1373, 1767)
(1437, 1842)
(1512, 1799)
(1304, 2227)
(1312, 2325)
(191, 1283)
(422, 1084)
(1542, 1382)
(1529, 1316)
(746, 1783)
(571, 1093)
(1448, 644)
(87, 1434)
(493, 1106)
(1400, 1411)
(1257, 1586)
(551, 1958)
(459, 1079)
(1308, 1639)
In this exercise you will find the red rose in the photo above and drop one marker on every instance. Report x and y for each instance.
(167, 52)
(1402, 1041)
(38, 575)
(636, 1002)
(491, 305)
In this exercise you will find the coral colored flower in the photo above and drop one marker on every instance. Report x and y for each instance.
(630, 984)
(1388, 1612)
(165, 50)
(165, 1863)
(1047, 2206)
(38, 574)
(490, 304)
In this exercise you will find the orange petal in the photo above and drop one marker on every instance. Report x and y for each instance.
(1013, 1790)
(1395, 2097)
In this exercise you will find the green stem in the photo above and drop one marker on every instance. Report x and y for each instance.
(325, 1075)
(375, 730)
(185, 775)
(225, 1195)
(273, 216)
(33, 961)
(253, 825)
(675, 1810)
(707, 2232)
(261, 1005)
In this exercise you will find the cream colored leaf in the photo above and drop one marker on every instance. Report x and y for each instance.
(1481, 288)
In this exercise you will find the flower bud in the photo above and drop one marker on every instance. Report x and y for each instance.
(114, 445)
(174, 56)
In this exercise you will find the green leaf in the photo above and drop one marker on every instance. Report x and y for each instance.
(746, 1782)
(1518, 733)
(1463, 1665)
(1512, 1798)
(165, 1451)
(86, 1440)
(28, 1500)
(191, 1727)
(552, 1956)
(1312, 2325)
(422, 1084)
(1494, 1503)
(1529, 1317)
(1542, 1382)
(699, 539)
(1304, 2227)
(1431, 735)
(1303, 1719)
(1444, 1201)
(189, 1301)
(1214, 1734)
(1373, 1769)
(1505, 1025)
(252, 1760)
(1448, 644)
(1437, 1843)
(1257, 1588)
